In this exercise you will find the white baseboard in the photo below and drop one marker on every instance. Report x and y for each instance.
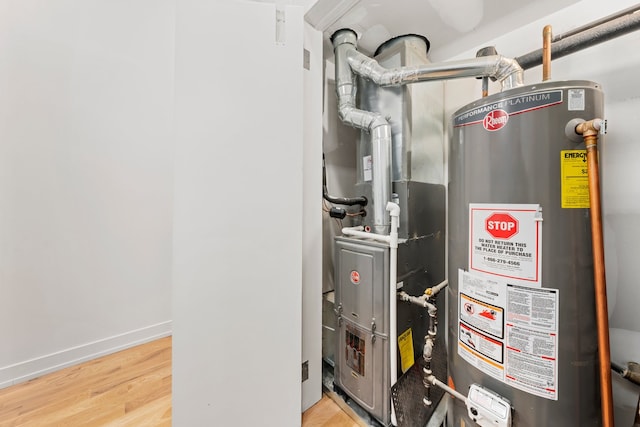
(33, 368)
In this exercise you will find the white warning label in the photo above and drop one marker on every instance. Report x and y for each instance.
(485, 364)
(537, 308)
(481, 343)
(367, 168)
(576, 100)
(482, 316)
(532, 340)
(510, 332)
(482, 303)
(505, 240)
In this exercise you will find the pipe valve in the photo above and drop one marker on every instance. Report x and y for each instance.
(592, 127)
(603, 127)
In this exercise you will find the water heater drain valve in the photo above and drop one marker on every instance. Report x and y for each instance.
(488, 409)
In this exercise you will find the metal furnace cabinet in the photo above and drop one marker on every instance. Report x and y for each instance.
(362, 301)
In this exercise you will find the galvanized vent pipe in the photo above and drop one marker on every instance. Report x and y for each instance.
(349, 61)
(378, 127)
(505, 70)
(590, 35)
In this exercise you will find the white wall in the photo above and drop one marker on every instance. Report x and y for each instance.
(238, 215)
(85, 179)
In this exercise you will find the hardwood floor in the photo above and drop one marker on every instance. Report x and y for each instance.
(327, 413)
(129, 388)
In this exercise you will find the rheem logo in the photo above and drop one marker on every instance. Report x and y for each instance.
(355, 277)
(495, 120)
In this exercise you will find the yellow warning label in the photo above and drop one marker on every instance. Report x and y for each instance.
(405, 343)
(575, 181)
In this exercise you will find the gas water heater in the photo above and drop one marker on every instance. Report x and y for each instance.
(521, 303)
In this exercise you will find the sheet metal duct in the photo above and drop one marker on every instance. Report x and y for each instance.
(349, 61)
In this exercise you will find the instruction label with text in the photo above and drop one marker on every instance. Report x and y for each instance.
(367, 168)
(574, 179)
(405, 344)
(506, 240)
(516, 339)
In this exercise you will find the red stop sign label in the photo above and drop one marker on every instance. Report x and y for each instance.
(501, 225)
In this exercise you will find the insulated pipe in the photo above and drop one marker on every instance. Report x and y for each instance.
(505, 70)
(344, 41)
(630, 372)
(566, 45)
(546, 52)
(618, 368)
(589, 131)
(394, 213)
(347, 201)
(606, 19)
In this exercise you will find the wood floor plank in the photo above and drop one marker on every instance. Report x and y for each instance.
(95, 393)
(131, 388)
(155, 413)
(326, 413)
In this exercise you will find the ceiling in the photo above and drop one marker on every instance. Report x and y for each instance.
(452, 26)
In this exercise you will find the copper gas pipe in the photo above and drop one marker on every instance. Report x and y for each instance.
(589, 131)
(546, 52)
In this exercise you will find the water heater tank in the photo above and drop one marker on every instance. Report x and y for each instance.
(520, 261)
